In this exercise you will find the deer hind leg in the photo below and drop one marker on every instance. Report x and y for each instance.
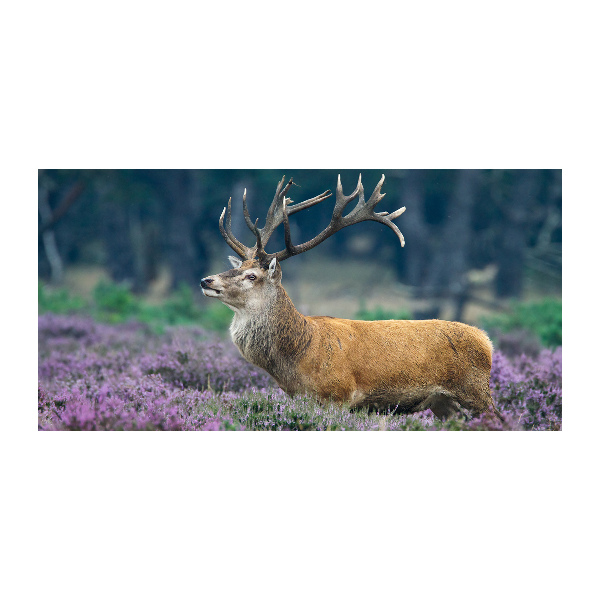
(442, 405)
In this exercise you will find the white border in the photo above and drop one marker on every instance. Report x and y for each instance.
(317, 85)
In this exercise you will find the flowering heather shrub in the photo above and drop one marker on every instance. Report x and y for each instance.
(212, 365)
(94, 376)
(530, 389)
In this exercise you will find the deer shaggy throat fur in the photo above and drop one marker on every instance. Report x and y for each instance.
(404, 365)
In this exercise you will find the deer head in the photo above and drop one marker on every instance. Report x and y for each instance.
(245, 287)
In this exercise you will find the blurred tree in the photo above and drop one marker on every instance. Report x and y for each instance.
(517, 209)
(544, 251)
(49, 218)
(448, 272)
(175, 188)
(46, 231)
(114, 229)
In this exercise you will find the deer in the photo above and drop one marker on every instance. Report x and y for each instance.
(404, 366)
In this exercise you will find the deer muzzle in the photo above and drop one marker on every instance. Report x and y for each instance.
(207, 290)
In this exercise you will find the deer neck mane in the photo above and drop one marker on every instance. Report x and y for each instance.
(272, 335)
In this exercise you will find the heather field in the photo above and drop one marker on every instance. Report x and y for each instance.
(129, 376)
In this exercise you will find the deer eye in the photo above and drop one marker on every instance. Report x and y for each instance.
(251, 277)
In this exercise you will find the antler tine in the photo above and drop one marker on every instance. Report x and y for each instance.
(228, 224)
(226, 232)
(376, 197)
(342, 201)
(252, 226)
(290, 248)
(275, 200)
(387, 220)
(246, 213)
(308, 203)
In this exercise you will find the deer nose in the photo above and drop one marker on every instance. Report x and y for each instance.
(206, 282)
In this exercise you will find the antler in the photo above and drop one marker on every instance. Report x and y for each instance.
(280, 210)
(275, 217)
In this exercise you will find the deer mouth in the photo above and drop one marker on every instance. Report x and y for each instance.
(208, 291)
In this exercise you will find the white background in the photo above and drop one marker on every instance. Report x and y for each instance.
(307, 85)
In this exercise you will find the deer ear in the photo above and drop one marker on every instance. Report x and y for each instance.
(272, 267)
(236, 262)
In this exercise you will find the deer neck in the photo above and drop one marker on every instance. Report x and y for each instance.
(273, 335)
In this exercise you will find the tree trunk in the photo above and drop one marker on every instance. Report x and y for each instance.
(115, 232)
(179, 232)
(414, 255)
(48, 237)
(511, 259)
(138, 246)
(448, 276)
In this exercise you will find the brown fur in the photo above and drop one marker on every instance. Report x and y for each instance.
(403, 365)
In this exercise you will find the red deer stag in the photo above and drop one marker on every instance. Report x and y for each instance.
(404, 365)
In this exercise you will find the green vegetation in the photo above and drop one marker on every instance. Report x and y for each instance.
(543, 319)
(58, 301)
(115, 303)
